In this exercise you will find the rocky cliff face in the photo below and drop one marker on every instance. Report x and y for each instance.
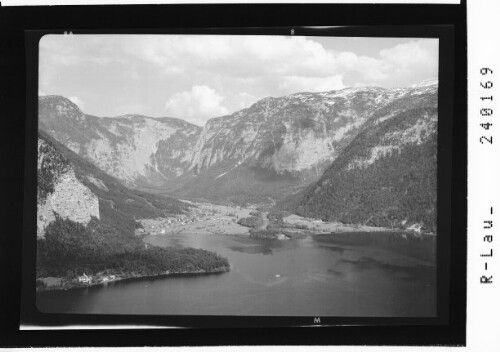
(387, 175)
(59, 191)
(279, 144)
(291, 134)
(134, 148)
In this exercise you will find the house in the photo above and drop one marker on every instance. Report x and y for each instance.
(84, 279)
(416, 228)
(108, 278)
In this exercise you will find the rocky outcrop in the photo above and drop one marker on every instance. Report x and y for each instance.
(71, 200)
(60, 192)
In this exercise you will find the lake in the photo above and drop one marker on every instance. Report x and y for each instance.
(322, 275)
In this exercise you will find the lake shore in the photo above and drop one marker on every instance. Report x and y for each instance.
(207, 218)
(266, 275)
(323, 227)
(62, 283)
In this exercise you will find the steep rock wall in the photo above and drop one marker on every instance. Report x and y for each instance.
(65, 194)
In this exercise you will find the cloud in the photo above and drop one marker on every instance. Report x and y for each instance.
(59, 52)
(417, 58)
(238, 56)
(78, 102)
(76, 49)
(131, 74)
(271, 57)
(293, 84)
(414, 53)
(197, 105)
(143, 68)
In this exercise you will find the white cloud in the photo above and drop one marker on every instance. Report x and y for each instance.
(197, 105)
(239, 56)
(411, 54)
(272, 57)
(143, 68)
(294, 84)
(75, 49)
(417, 58)
(368, 68)
(77, 101)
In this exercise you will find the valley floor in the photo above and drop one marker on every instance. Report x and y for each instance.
(207, 218)
(204, 218)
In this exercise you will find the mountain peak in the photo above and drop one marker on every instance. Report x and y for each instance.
(61, 106)
(57, 99)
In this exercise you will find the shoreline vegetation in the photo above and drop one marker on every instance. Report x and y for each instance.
(64, 283)
(71, 254)
(257, 222)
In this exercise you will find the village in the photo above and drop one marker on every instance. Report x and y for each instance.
(97, 279)
(204, 218)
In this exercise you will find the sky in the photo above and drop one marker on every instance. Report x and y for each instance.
(197, 77)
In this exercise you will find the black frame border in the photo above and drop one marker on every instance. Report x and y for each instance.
(448, 328)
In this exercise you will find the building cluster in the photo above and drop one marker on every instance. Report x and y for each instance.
(88, 279)
(161, 226)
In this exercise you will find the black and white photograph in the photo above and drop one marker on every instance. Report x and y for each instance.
(237, 175)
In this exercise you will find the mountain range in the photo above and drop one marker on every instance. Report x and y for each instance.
(360, 155)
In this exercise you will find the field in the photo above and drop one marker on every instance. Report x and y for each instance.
(203, 218)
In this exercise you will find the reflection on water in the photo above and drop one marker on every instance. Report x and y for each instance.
(321, 275)
(262, 246)
(400, 272)
(266, 250)
(337, 249)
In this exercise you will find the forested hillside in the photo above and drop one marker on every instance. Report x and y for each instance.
(387, 176)
(102, 240)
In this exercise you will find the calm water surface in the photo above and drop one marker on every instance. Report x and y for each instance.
(312, 276)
